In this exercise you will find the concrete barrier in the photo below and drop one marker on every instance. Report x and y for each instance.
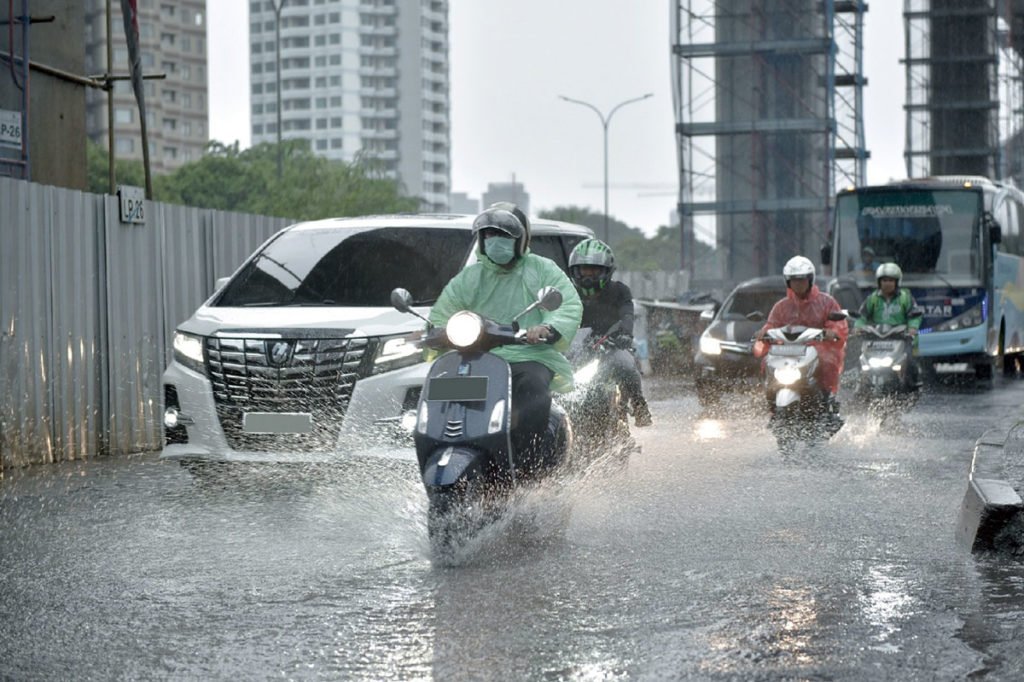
(992, 503)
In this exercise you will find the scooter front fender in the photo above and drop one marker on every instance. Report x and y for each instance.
(449, 465)
(785, 397)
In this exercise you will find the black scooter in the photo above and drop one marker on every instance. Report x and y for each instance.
(463, 432)
(596, 405)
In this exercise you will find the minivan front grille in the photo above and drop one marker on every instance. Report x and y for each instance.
(285, 375)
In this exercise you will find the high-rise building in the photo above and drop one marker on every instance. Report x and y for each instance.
(172, 37)
(359, 79)
(507, 191)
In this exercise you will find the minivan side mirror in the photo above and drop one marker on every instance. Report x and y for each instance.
(220, 283)
(707, 315)
(826, 254)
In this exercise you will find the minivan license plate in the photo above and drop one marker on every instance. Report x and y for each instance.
(277, 422)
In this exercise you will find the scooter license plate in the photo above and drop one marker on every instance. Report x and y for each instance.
(883, 345)
(462, 389)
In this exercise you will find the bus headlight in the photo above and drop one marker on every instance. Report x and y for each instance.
(464, 329)
(969, 318)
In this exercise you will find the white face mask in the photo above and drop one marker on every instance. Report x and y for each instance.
(501, 250)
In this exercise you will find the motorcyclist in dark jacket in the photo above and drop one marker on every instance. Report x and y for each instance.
(605, 303)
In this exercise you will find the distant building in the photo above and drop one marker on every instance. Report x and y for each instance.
(460, 202)
(507, 191)
(49, 146)
(358, 79)
(172, 36)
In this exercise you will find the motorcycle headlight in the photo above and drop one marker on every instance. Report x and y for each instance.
(787, 375)
(585, 373)
(875, 363)
(968, 318)
(464, 329)
(395, 352)
(709, 345)
(188, 350)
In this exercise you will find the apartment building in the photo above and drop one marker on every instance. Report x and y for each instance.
(173, 43)
(358, 79)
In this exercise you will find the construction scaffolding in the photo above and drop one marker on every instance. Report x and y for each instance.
(963, 100)
(768, 101)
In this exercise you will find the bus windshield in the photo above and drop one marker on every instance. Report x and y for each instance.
(933, 235)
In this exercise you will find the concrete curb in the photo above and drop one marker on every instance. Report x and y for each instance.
(990, 503)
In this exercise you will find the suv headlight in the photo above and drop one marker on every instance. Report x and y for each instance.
(968, 318)
(395, 352)
(709, 345)
(188, 350)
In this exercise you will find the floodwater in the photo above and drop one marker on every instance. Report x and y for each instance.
(707, 558)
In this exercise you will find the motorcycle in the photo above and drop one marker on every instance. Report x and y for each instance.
(802, 411)
(886, 360)
(462, 429)
(596, 406)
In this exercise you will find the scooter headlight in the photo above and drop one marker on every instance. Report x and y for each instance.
(875, 363)
(464, 329)
(787, 375)
(585, 373)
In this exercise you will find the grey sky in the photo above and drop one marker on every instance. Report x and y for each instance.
(510, 59)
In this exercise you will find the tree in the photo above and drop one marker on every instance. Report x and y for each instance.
(230, 179)
(127, 172)
(618, 231)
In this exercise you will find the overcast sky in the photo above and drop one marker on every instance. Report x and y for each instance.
(511, 59)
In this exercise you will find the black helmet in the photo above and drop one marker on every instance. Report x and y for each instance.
(596, 253)
(508, 218)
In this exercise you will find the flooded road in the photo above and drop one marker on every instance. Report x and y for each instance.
(708, 558)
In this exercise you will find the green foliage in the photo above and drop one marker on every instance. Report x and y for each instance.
(127, 172)
(246, 181)
(618, 231)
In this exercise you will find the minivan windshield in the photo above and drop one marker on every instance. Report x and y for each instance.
(746, 301)
(349, 266)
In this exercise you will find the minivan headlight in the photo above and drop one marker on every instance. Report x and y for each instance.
(395, 352)
(188, 350)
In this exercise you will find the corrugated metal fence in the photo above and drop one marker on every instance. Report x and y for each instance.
(87, 307)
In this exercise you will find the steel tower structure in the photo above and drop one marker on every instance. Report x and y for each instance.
(768, 106)
(964, 96)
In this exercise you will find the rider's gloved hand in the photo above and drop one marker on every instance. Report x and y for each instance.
(622, 341)
(542, 333)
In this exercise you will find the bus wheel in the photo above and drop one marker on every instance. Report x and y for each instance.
(983, 372)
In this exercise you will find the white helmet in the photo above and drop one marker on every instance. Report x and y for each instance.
(889, 270)
(798, 266)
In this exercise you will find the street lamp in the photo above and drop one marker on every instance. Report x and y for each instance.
(605, 120)
(278, 6)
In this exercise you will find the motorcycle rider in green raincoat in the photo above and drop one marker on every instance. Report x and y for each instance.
(891, 304)
(501, 284)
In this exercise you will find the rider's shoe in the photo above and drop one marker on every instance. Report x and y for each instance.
(641, 413)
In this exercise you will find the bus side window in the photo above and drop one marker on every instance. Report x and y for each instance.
(1011, 229)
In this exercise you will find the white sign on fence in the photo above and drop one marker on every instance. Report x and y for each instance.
(10, 128)
(133, 204)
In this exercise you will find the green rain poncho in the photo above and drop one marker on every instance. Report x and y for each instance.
(500, 294)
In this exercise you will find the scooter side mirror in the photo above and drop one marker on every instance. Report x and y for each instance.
(915, 313)
(837, 315)
(549, 298)
(852, 313)
(755, 316)
(401, 299)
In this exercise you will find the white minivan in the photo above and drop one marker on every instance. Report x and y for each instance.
(299, 355)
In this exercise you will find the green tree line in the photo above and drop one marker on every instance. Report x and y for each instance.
(312, 187)
(246, 181)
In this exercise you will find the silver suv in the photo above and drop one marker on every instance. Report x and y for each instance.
(299, 355)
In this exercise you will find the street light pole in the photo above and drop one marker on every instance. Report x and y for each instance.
(278, 6)
(605, 120)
